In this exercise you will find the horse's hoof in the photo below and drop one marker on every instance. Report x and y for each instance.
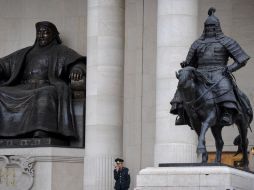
(246, 168)
(217, 162)
(204, 161)
(201, 150)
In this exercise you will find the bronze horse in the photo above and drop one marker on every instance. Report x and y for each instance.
(203, 113)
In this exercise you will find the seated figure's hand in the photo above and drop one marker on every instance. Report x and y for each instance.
(76, 74)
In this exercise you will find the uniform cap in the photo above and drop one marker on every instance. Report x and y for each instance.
(119, 160)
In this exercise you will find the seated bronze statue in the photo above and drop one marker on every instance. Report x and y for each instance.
(35, 95)
(207, 95)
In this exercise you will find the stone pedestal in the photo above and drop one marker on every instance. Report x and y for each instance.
(41, 169)
(194, 178)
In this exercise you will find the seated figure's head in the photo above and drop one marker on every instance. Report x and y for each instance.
(46, 32)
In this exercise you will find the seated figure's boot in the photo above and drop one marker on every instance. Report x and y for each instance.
(226, 119)
(180, 121)
(40, 134)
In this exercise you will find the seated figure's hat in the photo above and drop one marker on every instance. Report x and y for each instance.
(47, 24)
(52, 27)
(119, 160)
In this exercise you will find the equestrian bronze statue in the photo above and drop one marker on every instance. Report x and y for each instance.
(207, 95)
(35, 91)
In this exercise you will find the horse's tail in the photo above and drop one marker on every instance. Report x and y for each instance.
(238, 142)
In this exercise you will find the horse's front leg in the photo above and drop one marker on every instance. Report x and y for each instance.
(210, 120)
(204, 157)
(201, 140)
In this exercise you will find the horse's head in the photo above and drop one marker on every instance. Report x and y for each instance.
(185, 77)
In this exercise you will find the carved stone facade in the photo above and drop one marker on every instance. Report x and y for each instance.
(16, 173)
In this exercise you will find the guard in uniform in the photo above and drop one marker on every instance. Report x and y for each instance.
(121, 175)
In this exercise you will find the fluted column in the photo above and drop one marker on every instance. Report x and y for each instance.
(176, 30)
(104, 109)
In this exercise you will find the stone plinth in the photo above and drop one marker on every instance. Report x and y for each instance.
(51, 168)
(194, 178)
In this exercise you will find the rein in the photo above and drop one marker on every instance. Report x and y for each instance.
(202, 95)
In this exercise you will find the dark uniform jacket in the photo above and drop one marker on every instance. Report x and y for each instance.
(122, 178)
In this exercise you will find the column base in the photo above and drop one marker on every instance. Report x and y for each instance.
(210, 177)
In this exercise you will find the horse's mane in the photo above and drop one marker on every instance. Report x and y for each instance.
(202, 78)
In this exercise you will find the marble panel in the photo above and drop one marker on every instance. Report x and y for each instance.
(170, 26)
(105, 142)
(133, 62)
(132, 110)
(133, 85)
(178, 7)
(92, 21)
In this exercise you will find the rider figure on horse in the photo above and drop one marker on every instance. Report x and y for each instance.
(209, 55)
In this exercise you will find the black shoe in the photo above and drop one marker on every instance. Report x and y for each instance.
(226, 119)
(40, 134)
(180, 121)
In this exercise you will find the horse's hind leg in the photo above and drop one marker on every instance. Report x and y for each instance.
(216, 131)
(243, 130)
(204, 157)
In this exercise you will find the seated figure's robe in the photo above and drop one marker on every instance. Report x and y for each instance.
(34, 91)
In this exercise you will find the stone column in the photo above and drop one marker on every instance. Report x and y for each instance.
(104, 109)
(176, 30)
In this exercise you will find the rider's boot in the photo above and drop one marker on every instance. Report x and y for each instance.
(180, 120)
(227, 118)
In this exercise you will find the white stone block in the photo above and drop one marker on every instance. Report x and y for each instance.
(153, 180)
(174, 153)
(200, 177)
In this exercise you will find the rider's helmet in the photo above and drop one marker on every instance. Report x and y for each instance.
(212, 26)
